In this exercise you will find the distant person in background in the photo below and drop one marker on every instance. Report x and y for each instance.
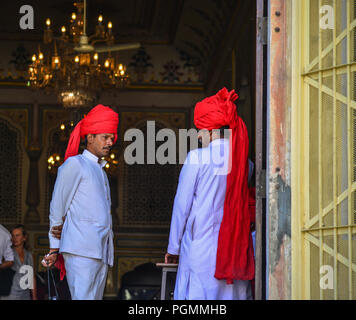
(22, 257)
(6, 258)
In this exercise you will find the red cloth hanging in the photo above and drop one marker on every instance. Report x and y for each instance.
(60, 265)
(234, 259)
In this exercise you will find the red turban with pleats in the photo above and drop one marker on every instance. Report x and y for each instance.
(234, 259)
(100, 119)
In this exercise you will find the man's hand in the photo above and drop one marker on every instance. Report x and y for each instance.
(6, 264)
(171, 258)
(56, 231)
(50, 259)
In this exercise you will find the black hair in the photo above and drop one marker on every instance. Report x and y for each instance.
(86, 140)
(221, 130)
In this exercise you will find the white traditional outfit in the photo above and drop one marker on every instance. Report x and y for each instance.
(82, 194)
(198, 212)
(6, 253)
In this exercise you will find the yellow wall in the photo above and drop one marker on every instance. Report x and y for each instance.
(323, 149)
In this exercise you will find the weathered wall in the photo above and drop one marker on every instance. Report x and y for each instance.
(278, 153)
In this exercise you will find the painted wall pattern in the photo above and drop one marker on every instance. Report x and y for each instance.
(152, 65)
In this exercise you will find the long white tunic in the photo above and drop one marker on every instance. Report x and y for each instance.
(82, 194)
(197, 213)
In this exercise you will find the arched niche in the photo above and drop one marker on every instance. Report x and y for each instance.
(11, 172)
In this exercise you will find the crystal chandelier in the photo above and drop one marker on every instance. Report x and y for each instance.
(73, 66)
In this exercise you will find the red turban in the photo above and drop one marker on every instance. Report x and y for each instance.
(234, 259)
(100, 119)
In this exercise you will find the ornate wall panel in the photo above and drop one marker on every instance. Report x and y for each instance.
(13, 128)
(146, 191)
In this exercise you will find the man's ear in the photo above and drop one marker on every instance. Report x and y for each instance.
(90, 138)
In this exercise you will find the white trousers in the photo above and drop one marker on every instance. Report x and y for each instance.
(86, 277)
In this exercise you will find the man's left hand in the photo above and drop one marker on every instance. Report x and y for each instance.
(56, 231)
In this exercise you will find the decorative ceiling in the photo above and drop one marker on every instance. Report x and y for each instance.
(195, 28)
(136, 20)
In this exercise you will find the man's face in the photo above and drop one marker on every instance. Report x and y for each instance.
(100, 144)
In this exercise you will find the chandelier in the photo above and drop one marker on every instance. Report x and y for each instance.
(72, 64)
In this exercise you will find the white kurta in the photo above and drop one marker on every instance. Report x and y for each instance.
(82, 194)
(197, 213)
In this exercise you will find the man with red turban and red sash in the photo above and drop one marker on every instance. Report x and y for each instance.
(210, 227)
(81, 198)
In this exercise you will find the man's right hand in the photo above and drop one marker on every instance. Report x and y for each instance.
(171, 258)
(50, 259)
(6, 264)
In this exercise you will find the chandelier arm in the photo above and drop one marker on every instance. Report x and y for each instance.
(94, 40)
(118, 47)
(85, 17)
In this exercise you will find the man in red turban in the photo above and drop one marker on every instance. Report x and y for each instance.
(81, 198)
(210, 228)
